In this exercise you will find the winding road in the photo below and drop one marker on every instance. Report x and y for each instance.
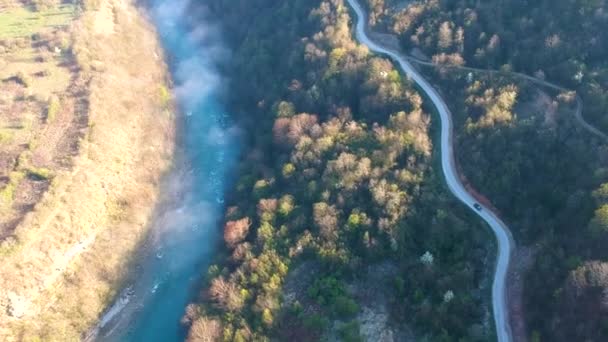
(578, 114)
(501, 231)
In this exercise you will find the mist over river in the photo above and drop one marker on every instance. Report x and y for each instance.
(185, 232)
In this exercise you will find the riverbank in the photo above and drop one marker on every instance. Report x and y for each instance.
(67, 258)
(337, 177)
(184, 235)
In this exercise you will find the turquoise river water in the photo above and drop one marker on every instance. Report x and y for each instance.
(185, 232)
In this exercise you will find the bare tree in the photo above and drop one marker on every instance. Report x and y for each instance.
(225, 294)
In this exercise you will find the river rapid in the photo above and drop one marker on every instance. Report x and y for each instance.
(185, 232)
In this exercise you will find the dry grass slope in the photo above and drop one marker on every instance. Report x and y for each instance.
(21, 21)
(40, 116)
(65, 260)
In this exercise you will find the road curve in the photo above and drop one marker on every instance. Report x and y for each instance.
(578, 114)
(501, 231)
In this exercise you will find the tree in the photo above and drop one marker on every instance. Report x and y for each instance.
(599, 223)
(267, 208)
(601, 194)
(290, 129)
(205, 329)
(326, 218)
(376, 11)
(288, 170)
(267, 318)
(225, 295)
(286, 205)
(348, 171)
(459, 40)
(242, 252)
(427, 258)
(445, 35)
(261, 188)
(236, 231)
(285, 109)
(448, 59)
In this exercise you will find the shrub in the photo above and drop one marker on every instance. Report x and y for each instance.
(52, 109)
(7, 195)
(325, 290)
(165, 96)
(5, 137)
(8, 245)
(316, 323)
(23, 79)
(39, 174)
(349, 332)
(345, 307)
(41, 5)
(261, 188)
(117, 209)
(91, 4)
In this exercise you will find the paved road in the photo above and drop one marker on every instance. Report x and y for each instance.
(578, 114)
(501, 231)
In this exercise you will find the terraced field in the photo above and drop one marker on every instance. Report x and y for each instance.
(42, 114)
(20, 21)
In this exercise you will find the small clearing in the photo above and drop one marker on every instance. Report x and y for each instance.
(104, 19)
(23, 21)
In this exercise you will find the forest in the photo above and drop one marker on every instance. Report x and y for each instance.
(340, 193)
(521, 145)
(340, 226)
(563, 41)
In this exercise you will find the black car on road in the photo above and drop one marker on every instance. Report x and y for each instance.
(477, 206)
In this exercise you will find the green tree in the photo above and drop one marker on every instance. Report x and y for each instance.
(599, 223)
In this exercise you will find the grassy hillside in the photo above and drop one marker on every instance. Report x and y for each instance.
(90, 135)
(43, 114)
(19, 21)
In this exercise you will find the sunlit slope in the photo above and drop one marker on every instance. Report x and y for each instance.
(62, 264)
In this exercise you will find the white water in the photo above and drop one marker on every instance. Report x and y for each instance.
(185, 231)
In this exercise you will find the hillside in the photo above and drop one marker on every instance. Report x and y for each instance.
(314, 175)
(86, 132)
(563, 41)
(523, 144)
(43, 114)
(339, 226)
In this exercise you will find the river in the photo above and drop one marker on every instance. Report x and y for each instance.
(185, 232)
